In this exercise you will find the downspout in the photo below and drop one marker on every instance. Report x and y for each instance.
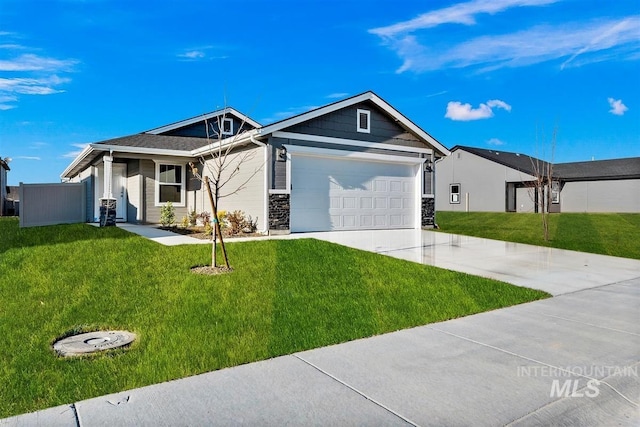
(265, 192)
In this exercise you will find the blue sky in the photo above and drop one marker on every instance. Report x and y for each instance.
(491, 73)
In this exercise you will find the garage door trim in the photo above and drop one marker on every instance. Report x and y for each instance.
(341, 155)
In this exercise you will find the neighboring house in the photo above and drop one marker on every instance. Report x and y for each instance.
(599, 186)
(485, 180)
(12, 203)
(353, 164)
(4, 187)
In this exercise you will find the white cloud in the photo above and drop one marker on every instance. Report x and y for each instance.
(28, 157)
(337, 95)
(6, 102)
(500, 104)
(462, 13)
(442, 92)
(73, 154)
(577, 43)
(201, 53)
(31, 62)
(496, 142)
(465, 112)
(29, 86)
(30, 74)
(193, 55)
(617, 107)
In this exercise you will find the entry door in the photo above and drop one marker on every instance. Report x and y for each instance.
(119, 189)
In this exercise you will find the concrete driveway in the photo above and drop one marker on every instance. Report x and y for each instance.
(568, 360)
(555, 271)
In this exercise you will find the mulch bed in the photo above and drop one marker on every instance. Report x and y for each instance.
(198, 233)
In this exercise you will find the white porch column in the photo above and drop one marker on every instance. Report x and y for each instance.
(108, 161)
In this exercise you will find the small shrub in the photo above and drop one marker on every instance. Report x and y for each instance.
(205, 217)
(208, 229)
(193, 218)
(185, 222)
(222, 219)
(238, 222)
(167, 215)
(235, 220)
(249, 225)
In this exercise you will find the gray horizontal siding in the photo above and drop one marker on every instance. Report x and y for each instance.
(198, 130)
(343, 124)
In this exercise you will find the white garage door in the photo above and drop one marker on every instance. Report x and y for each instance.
(338, 194)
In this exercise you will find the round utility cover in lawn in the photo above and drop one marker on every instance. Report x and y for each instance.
(92, 342)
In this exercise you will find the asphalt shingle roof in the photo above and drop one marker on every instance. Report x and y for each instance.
(517, 161)
(599, 169)
(162, 142)
(574, 171)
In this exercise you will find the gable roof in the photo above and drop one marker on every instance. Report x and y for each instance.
(208, 116)
(517, 161)
(366, 96)
(574, 171)
(155, 142)
(598, 169)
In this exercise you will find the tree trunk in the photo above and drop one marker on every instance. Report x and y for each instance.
(218, 231)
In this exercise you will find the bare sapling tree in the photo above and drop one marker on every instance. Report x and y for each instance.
(540, 189)
(221, 171)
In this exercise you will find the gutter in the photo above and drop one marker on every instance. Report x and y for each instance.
(83, 154)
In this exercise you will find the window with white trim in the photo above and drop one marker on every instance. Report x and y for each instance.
(227, 127)
(454, 193)
(170, 184)
(555, 192)
(364, 121)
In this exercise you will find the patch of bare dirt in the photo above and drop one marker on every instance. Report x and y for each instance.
(210, 271)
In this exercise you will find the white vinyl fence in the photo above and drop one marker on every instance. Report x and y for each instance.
(48, 204)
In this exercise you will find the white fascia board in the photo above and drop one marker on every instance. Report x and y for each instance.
(327, 152)
(350, 142)
(207, 116)
(80, 157)
(313, 114)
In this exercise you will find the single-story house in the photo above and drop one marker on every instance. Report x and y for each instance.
(4, 186)
(353, 164)
(487, 180)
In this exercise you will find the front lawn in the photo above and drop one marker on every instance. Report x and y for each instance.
(284, 296)
(607, 234)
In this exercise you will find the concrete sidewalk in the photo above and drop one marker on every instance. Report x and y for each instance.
(570, 360)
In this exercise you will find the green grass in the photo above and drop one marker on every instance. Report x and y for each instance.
(607, 234)
(283, 297)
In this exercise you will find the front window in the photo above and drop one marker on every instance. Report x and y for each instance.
(555, 192)
(170, 184)
(364, 121)
(454, 193)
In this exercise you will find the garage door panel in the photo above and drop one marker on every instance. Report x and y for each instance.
(336, 194)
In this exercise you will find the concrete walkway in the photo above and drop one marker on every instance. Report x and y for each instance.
(570, 360)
